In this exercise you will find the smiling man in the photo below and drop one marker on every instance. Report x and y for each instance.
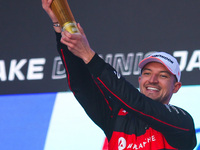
(160, 77)
(130, 119)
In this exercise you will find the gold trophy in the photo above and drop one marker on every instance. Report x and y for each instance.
(64, 15)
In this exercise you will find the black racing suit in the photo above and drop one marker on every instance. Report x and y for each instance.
(129, 119)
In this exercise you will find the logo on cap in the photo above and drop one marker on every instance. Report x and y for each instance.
(166, 58)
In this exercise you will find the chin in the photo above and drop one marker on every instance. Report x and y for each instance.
(155, 99)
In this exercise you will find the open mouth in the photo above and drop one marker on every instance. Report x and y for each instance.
(153, 89)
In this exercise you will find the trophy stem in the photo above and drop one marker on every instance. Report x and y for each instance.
(64, 15)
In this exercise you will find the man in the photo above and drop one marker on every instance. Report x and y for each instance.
(130, 119)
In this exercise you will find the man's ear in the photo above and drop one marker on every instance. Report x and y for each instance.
(177, 86)
(139, 78)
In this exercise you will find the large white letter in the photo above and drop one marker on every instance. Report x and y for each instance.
(35, 68)
(58, 71)
(2, 71)
(123, 65)
(194, 61)
(138, 58)
(15, 69)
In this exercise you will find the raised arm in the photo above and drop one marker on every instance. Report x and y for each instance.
(80, 81)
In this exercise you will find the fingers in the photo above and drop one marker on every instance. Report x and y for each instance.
(69, 36)
(46, 4)
(80, 29)
(69, 39)
(69, 45)
(76, 41)
(66, 35)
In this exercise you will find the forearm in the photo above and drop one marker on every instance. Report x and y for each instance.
(74, 66)
(83, 86)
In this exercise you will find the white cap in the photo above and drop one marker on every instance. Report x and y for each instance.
(166, 59)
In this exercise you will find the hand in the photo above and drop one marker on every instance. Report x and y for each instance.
(46, 6)
(78, 44)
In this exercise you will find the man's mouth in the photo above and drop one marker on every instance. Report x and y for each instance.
(152, 88)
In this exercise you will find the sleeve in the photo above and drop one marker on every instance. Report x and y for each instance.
(169, 120)
(84, 87)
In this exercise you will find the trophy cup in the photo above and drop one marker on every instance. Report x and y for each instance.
(64, 15)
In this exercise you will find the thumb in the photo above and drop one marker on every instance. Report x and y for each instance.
(80, 29)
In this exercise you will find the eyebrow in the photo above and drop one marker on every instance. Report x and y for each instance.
(168, 72)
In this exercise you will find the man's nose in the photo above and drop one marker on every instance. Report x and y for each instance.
(153, 79)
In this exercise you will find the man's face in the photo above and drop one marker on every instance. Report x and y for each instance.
(157, 83)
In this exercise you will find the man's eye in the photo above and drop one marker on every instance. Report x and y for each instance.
(146, 73)
(163, 76)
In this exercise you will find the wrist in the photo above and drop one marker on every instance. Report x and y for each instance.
(56, 24)
(89, 57)
(57, 27)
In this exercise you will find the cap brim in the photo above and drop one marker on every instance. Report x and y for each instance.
(153, 59)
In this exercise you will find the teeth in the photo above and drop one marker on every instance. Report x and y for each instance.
(151, 88)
